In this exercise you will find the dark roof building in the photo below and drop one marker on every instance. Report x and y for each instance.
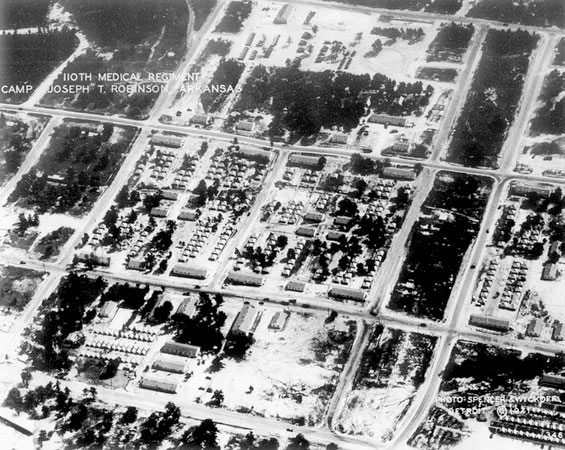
(188, 215)
(295, 286)
(246, 321)
(555, 248)
(525, 189)
(400, 173)
(159, 212)
(307, 231)
(343, 220)
(553, 381)
(245, 279)
(159, 384)
(314, 217)
(343, 293)
(384, 119)
(99, 260)
(491, 323)
(200, 119)
(279, 320)
(170, 195)
(135, 264)
(558, 332)
(109, 310)
(283, 15)
(401, 146)
(334, 235)
(170, 365)
(188, 307)
(180, 270)
(549, 272)
(167, 141)
(534, 328)
(309, 162)
(176, 348)
(245, 125)
(339, 138)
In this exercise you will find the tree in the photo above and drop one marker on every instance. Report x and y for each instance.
(134, 197)
(42, 437)
(122, 199)
(163, 312)
(203, 149)
(132, 217)
(26, 377)
(111, 217)
(203, 436)
(110, 369)
(217, 398)
(130, 415)
(298, 442)
(360, 186)
(107, 131)
(282, 241)
(268, 444)
(152, 201)
(216, 365)
(14, 400)
(201, 192)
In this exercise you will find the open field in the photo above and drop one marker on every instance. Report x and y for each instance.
(393, 368)
(17, 286)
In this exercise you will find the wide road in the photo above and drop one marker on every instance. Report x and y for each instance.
(195, 43)
(539, 62)
(390, 269)
(30, 160)
(156, 401)
(442, 139)
(228, 137)
(421, 16)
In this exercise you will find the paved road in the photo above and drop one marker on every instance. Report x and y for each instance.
(195, 44)
(420, 16)
(533, 83)
(156, 401)
(348, 375)
(228, 137)
(31, 159)
(390, 269)
(442, 139)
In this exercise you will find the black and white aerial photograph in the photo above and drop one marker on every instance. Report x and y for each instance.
(282, 224)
